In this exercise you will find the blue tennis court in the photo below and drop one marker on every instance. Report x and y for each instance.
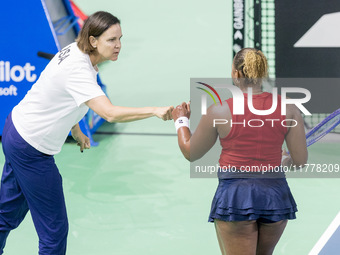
(329, 241)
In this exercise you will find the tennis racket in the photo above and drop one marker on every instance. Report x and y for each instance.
(323, 128)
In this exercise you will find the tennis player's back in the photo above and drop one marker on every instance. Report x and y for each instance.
(254, 140)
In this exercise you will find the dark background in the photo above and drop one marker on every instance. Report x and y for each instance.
(292, 20)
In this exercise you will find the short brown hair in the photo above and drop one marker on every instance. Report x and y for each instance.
(94, 25)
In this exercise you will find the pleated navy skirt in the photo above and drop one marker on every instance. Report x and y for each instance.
(242, 199)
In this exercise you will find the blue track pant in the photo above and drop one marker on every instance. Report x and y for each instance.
(31, 181)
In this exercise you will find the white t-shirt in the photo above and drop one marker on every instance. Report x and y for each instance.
(55, 102)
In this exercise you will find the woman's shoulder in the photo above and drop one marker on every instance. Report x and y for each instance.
(220, 110)
(292, 111)
(72, 57)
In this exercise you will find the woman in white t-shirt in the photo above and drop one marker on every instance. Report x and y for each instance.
(38, 126)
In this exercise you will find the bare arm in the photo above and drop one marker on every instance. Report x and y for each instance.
(194, 146)
(296, 139)
(82, 140)
(111, 113)
(183, 133)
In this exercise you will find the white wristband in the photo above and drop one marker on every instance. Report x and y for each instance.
(181, 122)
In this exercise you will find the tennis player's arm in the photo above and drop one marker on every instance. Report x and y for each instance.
(195, 146)
(296, 139)
(112, 113)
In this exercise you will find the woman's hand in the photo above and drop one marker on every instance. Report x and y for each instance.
(164, 113)
(82, 140)
(182, 110)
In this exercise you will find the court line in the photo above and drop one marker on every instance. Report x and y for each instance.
(132, 133)
(326, 236)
